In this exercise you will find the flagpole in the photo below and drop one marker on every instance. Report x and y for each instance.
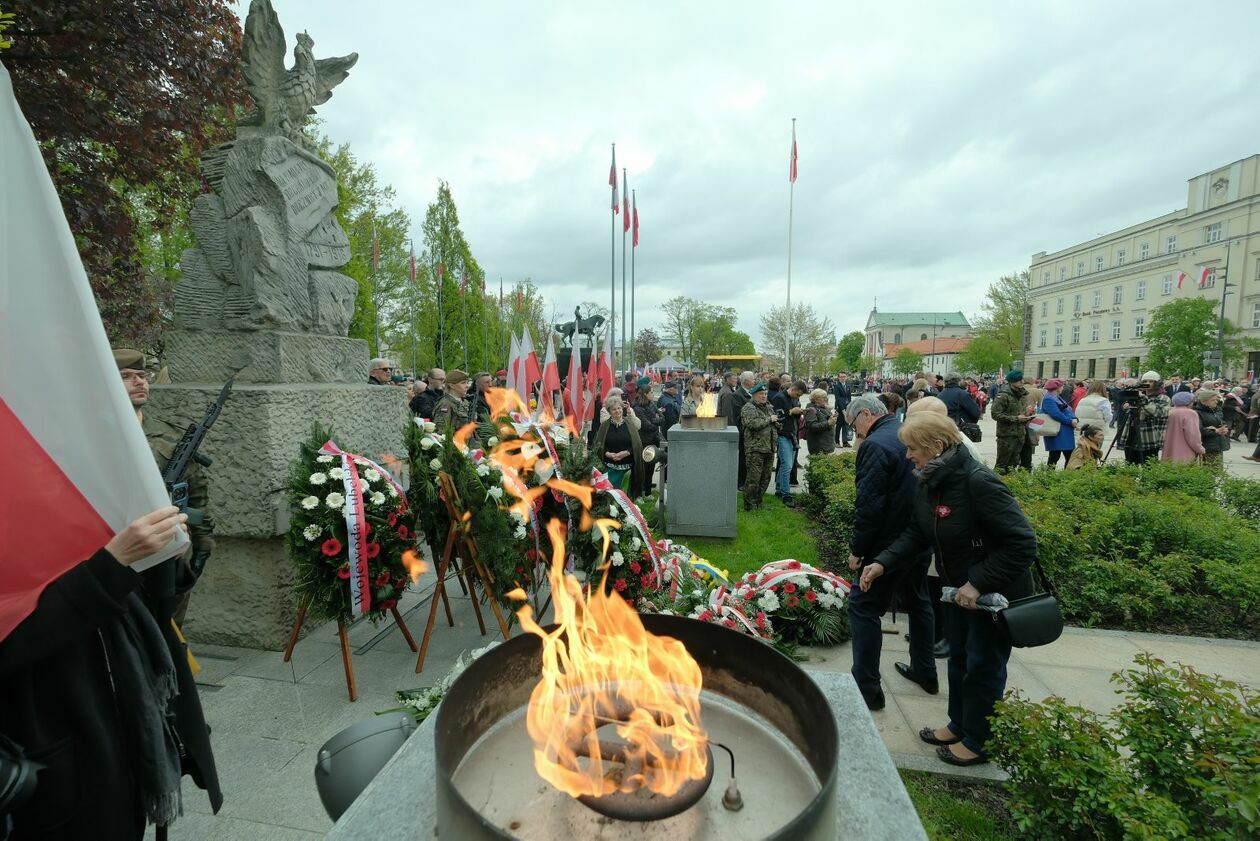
(438, 272)
(485, 329)
(612, 262)
(634, 246)
(411, 247)
(376, 320)
(625, 366)
(787, 343)
(463, 308)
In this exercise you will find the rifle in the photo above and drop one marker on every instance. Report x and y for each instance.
(185, 452)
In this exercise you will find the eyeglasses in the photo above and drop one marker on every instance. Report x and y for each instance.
(383, 368)
(128, 376)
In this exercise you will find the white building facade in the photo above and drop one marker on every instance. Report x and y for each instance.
(1092, 302)
(903, 328)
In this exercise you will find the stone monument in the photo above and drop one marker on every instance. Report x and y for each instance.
(261, 299)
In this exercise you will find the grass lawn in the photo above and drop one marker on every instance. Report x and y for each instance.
(954, 809)
(770, 534)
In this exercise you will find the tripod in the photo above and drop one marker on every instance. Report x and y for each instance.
(1128, 422)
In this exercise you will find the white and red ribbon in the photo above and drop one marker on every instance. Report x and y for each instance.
(356, 530)
(777, 571)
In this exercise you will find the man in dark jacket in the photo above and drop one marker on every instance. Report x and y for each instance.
(786, 403)
(670, 406)
(885, 496)
(840, 390)
(961, 406)
(424, 403)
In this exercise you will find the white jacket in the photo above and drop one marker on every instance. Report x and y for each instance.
(1094, 409)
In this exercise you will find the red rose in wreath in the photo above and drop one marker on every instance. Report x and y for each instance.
(635, 568)
(382, 579)
(332, 546)
(792, 601)
(811, 596)
(620, 585)
(404, 532)
(343, 572)
(789, 587)
(373, 549)
(392, 519)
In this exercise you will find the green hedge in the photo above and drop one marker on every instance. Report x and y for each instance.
(1166, 547)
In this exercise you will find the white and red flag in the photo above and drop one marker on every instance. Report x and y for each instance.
(792, 166)
(573, 384)
(529, 371)
(1181, 278)
(612, 179)
(1207, 274)
(607, 373)
(550, 381)
(513, 364)
(77, 468)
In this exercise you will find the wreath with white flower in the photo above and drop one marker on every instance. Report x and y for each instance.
(319, 539)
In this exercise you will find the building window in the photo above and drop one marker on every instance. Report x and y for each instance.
(1041, 339)
(1170, 244)
(1044, 310)
(1115, 331)
(1080, 267)
(1117, 296)
(1072, 369)
(1167, 284)
(1076, 303)
(1045, 278)
(1141, 290)
(1058, 307)
(1144, 251)
(1093, 332)
(1139, 326)
(1063, 273)
(1121, 256)
(1076, 334)
(1097, 298)
(1041, 370)
(923, 337)
(896, 338)
(1212, 233)
(1098, 264)
(1255, 314)
(1055, 370)
(1058, 337)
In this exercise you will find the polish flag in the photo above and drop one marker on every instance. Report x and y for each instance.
(550, 380)
(1181, 278)
(514, 363)
(612, 180)
(530, 372)
(574, 405)
(77, 467)
(792, 168)
(592, 381)
(606, 370)
(1205, 275)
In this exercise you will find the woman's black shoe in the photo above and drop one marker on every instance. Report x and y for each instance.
(928, 734)
(930, 684)
(947, 756)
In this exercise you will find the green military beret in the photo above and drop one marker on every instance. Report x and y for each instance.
(128, 358)
(456, 377)
(758, 387)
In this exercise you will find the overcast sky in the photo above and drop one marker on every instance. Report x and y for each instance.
(941, 143)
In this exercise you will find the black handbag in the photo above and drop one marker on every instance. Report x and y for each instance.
(971, 430)
(1032, 621)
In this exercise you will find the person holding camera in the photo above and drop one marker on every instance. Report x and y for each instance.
(787, 406)
(1145, 412)
(760, 425)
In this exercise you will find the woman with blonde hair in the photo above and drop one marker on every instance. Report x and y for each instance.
(820, 424)
(617, 447)
(984, 544)
(694, 398)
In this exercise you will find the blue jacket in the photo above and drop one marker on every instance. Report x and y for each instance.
(1057, 408)
(885, 489)
(961, 405)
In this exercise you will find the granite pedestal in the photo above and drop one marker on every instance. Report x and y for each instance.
(871, 802)
(701, 492)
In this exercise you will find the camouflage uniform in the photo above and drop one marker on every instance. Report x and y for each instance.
(162, 439)
(1014, 447)
(449, 413)
(759, 440)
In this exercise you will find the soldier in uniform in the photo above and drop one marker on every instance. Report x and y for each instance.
(1010, 410)
(451, 412)
(165, 587)
(760, 430)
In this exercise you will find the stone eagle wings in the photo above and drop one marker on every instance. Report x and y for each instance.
(285, 97)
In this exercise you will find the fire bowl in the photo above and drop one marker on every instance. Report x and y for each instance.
(755, 702)
(697, 422)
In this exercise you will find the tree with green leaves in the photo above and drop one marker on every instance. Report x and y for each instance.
(849, 352)
(1181, 331)
(1002, 313)
(906, 362)
(700, 329)
(813, 338)
(983, 355)
(647, 347)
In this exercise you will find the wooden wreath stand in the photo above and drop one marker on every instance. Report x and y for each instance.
(346, 663)
(459, 545)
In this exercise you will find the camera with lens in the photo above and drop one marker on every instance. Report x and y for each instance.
(780, 415)
(1133, 396)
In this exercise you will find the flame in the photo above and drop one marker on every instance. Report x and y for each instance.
(463, 434)
(600, 668)
(708, 407)
(503, 401)
(415, 564)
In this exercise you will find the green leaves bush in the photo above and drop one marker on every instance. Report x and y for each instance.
(1179, 758)
(1167, 547)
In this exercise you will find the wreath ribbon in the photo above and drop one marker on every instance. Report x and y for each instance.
(776, 572)
(356, 529)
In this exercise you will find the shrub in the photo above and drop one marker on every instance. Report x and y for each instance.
(1165, 547)
(830, 502)
(1179, 758)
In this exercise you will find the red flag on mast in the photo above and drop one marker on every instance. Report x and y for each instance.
(635, 235)
(412, 248)
(612, 178)
(792, 171)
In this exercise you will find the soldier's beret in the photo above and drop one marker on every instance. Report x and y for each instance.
(758, 387)
(456, 377)
(128, 358)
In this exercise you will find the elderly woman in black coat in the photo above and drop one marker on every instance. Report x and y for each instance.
(983, 544)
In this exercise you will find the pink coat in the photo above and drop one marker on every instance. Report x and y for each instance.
(1182, 441)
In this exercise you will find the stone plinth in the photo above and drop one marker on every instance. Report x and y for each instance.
(245, 597)
(871, 802)
(701, 491)
(266, 356)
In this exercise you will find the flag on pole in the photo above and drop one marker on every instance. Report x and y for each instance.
(77, 467)
(606, 369)
(1181, 277)
(1207, 274)
(550, 380)
(412, 248)
(612, 180)
(574, 405)
(592, 380)
(625, 201)
(514, 363)
(635, 235)
(529, 372)
(792, 169)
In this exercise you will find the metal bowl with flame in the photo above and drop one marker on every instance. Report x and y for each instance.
(765, 720)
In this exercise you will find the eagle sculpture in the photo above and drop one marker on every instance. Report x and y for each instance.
(285, 97)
